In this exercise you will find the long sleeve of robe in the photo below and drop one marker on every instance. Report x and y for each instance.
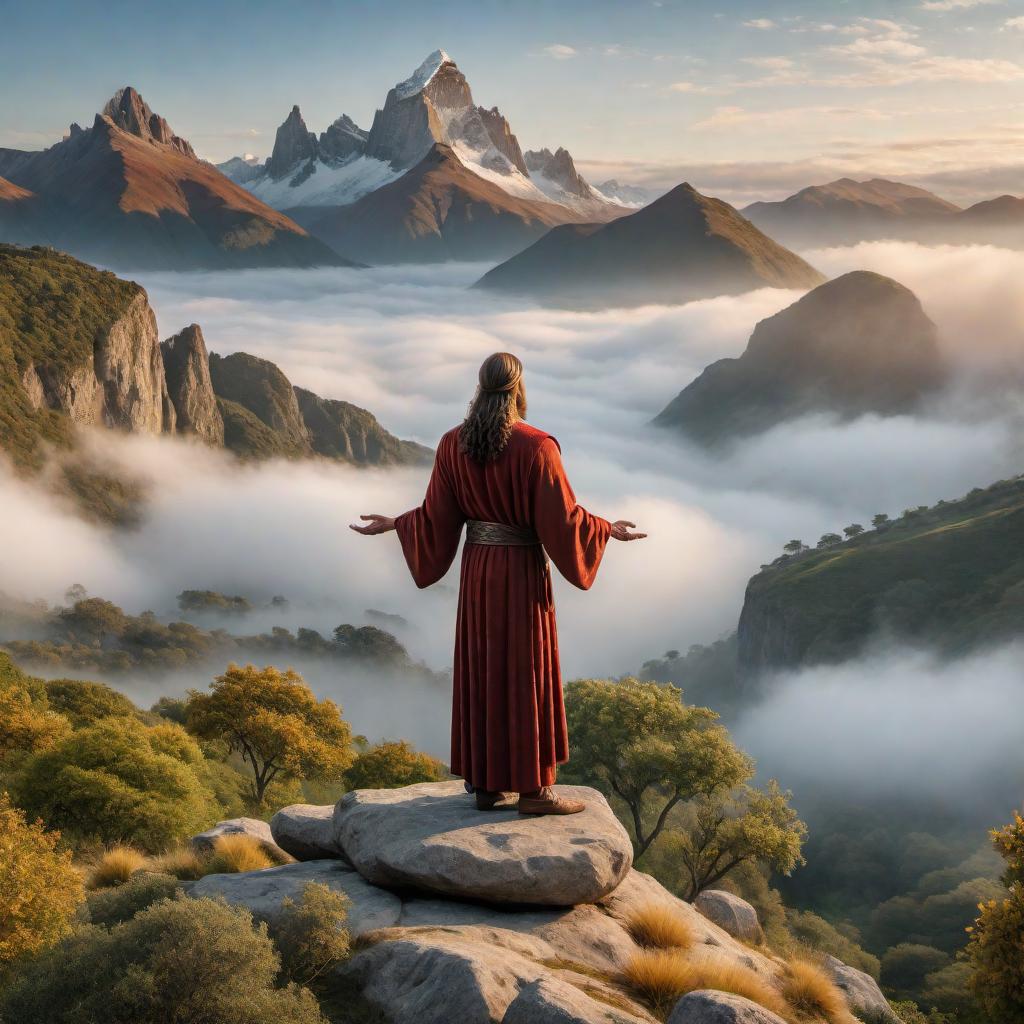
(508, 717)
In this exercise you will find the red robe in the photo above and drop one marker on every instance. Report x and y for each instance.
(508, 719)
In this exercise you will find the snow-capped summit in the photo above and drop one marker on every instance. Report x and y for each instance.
(423, 75)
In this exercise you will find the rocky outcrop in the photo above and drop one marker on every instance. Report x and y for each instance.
(343, 139)
(558, 168)
(730, 912)
(340, 430)
(684, 246)
(254, 828)
(855, 345)
(294, 145)
(187, 368)
(861, 991)
(425, 958)
(502, 138)
(431, 838)
(710, 1007)
(130, 112)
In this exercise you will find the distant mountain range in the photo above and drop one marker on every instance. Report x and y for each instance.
(79, 347)
(130, 193)
(846, 211)
(435, 177)
(858, 344)
(682, 246)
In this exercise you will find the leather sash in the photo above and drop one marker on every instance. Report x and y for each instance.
(499, 534)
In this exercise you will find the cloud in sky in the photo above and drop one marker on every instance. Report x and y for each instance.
(955, 5)
(764, 24)
(560, 51)
(1015, 24)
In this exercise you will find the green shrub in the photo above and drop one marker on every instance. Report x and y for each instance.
(121, 903)
(182, 961)
(391, 765)
(119, 780)
(311, 934)
(39, 888)
(86, 703)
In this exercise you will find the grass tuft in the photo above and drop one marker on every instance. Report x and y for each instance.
(662, 976)
(183, 862)
(661, 926)
(115, 866)
(811, 993)
(237, 853)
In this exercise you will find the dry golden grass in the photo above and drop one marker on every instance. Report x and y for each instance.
(236, 853)
(662, 926)
(183, 862)
(115, 866)
(812, 994)
(661, 976)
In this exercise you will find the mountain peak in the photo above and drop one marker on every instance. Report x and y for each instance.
(294, 144)
(423, 75)
(130, 112)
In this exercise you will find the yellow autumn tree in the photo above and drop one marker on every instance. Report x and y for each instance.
(39, 888)
(273, 719)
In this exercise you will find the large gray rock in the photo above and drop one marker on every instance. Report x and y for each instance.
(730, 912)
(306, 831)
(711, 1007)
(263, 892)
(187, 368)
(476, 976)
(253, 827)
(861, 991)
(430, 837)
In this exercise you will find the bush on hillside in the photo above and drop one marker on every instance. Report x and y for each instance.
(108, 907)
(390, 765)
(181, 960)
(311, 934)
(119, 780)
(39, 888)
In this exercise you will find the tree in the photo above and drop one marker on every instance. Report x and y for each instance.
(370, 643)
(853, 530)
(880, 520)
(640, 743)
(85, 703)
(829, 540)
(39, 887)
(390, 765)
(996, 946)
(906, 966)
(119, 780)
(27, 725)
(275, 722)
(794, 547)
(92, 620)
(180, 960)
(725, 830)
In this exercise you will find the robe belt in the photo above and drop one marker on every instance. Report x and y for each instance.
(479, 532)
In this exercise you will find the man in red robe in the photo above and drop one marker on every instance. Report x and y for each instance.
(504, 481)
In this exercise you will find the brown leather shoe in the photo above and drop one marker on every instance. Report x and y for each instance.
(547, 801)
(486, 800)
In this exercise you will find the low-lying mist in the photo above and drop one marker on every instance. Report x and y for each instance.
(406, 343)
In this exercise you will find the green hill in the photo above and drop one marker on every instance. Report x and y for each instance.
(950, 577)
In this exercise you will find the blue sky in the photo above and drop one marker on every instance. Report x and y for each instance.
(743, 98)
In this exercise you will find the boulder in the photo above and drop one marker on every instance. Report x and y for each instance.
(861, 991)
(712, 1007)
(254, 827)
(306, 831)
(431, 838)
(263, 892)
(476, 976)
(730, 912)
(187, 369)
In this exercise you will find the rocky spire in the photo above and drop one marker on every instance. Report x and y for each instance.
(130, 112)
(559, 168)
(187, 369)
(342, 139)
(294, 145)
(502, 138)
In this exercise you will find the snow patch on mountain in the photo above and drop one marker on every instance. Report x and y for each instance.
(325, 184)
(423, 75)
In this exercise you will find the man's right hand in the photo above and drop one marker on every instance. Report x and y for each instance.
(621, 528)
(375, 524)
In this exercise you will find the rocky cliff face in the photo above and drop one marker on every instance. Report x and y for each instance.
(501, 137)
(127, 109)
(120, 385)
(558, 167)
(187, 369)
(343, 139)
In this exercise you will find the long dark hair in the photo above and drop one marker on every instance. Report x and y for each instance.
(499, 401)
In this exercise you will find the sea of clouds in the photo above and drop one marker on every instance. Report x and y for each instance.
(405, 343)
